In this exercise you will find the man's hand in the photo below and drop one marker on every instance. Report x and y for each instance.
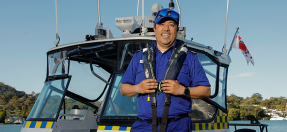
(172, 87)
(147, 86)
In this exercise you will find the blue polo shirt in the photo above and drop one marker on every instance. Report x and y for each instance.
(191, 75)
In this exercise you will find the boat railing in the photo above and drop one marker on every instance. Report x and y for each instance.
(253, 122)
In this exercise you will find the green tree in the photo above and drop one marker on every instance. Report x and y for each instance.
(25, 111)
(256, 98)
(9, 107)
(233, 114)
(266, 103)
(2, 100)
(33, 93)
(256, 111)
(2, 115)
(262, 114)
(14, 101)
(243, 114)
(233, 101)
(17, 103)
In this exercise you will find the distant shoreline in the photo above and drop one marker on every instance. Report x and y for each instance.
(11, 123)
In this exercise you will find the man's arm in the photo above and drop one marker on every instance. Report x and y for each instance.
(128, 90)
(199, 92)
(146, 86)
(174, 88)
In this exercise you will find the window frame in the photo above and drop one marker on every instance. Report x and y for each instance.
(61, 102)
(110, 120)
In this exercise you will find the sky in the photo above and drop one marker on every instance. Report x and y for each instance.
(28, 28)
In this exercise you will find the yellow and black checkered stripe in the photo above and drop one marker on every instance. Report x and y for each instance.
(219, 122)
(116, 128)
(39, 124)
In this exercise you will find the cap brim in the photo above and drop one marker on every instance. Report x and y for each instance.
(162, 19)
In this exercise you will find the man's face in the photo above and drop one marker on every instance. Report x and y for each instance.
(165, 33)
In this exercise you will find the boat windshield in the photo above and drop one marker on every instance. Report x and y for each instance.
(118, 105)
(84, 83)
(49, 101)
(88, 62)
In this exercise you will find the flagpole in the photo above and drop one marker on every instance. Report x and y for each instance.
(233, 41)
(224, 46)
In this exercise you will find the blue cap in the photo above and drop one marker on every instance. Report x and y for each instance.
(166, 13)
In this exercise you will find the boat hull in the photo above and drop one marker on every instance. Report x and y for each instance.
(36, 130)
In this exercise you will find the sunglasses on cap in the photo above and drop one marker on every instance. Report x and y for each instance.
(171, 13)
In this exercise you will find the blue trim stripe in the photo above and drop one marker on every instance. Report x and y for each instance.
(33, 123)
(24, 124)
(53, 124)
(108, 127)
(123, 128)
(44, 124)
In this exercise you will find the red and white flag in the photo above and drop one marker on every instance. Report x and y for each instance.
(239, 44)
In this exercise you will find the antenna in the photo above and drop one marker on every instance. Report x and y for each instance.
(143, 13)
(57, 35)
(138, 8)
(99, 13)
(224, 46)
(178, 12)
(100, 24)
(143, 21)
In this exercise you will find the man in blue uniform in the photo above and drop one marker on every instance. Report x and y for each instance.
(191, 82)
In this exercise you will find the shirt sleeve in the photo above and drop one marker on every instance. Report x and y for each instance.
(198, 74)
(130, 74)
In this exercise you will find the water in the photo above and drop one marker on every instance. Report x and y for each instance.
(273, 126)
(10, 127)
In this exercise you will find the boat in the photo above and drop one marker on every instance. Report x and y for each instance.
(18, 122)
(82, 86)
(277, 117)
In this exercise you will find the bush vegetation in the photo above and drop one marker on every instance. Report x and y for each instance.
(239, 108)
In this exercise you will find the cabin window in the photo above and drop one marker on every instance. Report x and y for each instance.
(70, 103)
(58, 63)
(118, 105)
(126, 51)
(220, 98)
(49, 100)
(210, 69)
(84, 83)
